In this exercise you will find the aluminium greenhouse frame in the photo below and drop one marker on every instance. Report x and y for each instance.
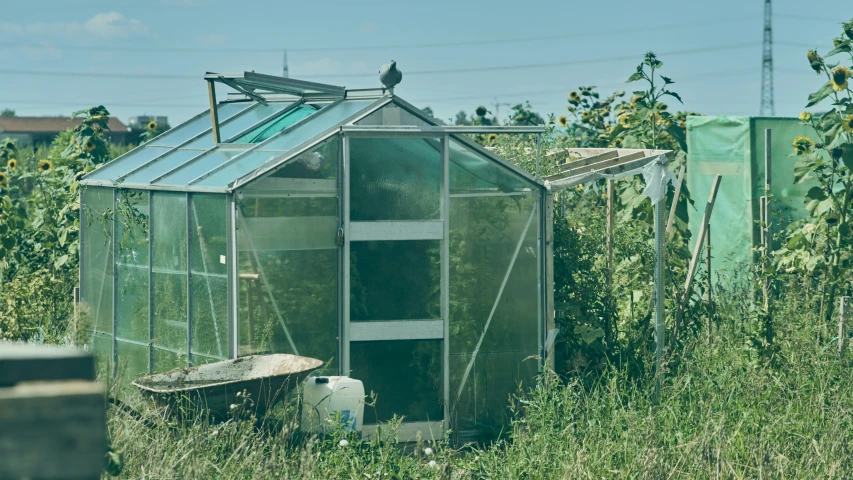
(344, 130)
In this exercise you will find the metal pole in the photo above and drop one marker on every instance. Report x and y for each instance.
(608, 314)
(768, 241)
(538, 153)
(658, 294)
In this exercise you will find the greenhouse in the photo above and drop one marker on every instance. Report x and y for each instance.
(340, 224)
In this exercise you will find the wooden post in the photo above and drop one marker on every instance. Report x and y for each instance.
(214, 114)
(842, 323)
(694, 261)
(608, 324)
(708, 287)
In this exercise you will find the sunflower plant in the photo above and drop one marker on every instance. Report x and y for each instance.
(822, 244)
(592, 118)
(88, 143)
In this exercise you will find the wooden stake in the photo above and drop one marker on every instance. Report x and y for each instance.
(214, 114)
(842, 323)
(694, 261)
(708, 287)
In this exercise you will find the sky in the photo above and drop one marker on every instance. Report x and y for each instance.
(147, 57)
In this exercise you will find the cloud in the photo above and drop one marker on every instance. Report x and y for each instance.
(103, 25)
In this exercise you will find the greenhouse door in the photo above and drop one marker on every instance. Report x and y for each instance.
(395, 301)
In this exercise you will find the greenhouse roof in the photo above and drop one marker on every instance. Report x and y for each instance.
(267, 122)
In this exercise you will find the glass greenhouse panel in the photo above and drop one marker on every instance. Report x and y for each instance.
(406, 377)
(238, 124)
(132, 265)
(321, 121)
(395, 179)
(162, 165)
(392, 115)
(196, 167)
(132, 361)
(209, 280)
(288, 260)
(199, 124)
(96, 251)
(471, 174)
(127, 162)
(270, 128)
(395, 280)
(494, 297)
(169, 250)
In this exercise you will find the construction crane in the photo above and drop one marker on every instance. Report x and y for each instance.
(767, 108)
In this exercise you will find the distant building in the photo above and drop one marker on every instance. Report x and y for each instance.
(42, 130)
(140, 122)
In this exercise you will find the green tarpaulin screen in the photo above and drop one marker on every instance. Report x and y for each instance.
(734, 148)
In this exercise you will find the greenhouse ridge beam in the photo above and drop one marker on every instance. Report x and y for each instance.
(439, 130)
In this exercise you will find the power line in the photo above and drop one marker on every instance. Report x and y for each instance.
(445, 44)
(56, 73)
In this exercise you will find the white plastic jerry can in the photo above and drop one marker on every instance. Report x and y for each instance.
(324, 397)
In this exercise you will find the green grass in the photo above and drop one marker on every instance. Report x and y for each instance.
(724, 413)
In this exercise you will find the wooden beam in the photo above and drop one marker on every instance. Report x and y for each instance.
(600, 165)
(694, 261)
(214, 114)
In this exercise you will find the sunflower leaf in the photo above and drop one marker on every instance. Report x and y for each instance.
(843, 47)
(820, 94)
(667, 80)
(673, 94)
(635, 77)
(847, 154)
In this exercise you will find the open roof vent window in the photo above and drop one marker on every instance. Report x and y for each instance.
(268, 129)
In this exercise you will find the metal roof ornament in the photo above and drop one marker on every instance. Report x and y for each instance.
(390, 76)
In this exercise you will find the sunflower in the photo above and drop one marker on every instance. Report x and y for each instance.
(847, 124)
(45, 166)
(574, 98)
(635, 99)
(152, 126)
(839, 78)
(12, 164)
(3, 178)
(481, 111)
(805, 116)
(492, 138)
(802, 145)
(617, 143)
(623, 121)
(814, 60)
(90, 145)
(10, 145)
(564, 121)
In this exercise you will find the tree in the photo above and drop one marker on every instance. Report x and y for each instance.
(7, 112)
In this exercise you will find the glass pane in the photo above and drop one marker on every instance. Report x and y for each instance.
(406, 377)
(276, 125)
(169, 235)
(485, 232)
(102, 349)
(132, 361)
(132, 266)
(320, 122)
(162, 165)
(471, 173)
(96, 251)
(288, 262)
(228, 130)
(209, 276)
(392, 115)
(125, 163)
(182, 133)
(197, 167)
(165, 360)
(395, 179)
(395, 280)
